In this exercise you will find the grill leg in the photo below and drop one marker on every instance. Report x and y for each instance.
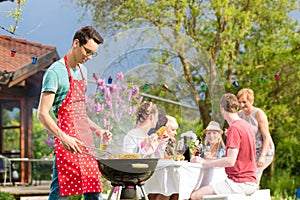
(144, 192)
(111, 193)
(119, 193)
(136, 193)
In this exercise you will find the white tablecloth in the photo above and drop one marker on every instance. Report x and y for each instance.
(181, 177)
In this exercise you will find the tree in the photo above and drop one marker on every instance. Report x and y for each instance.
(15, 15)
(42, 141)
(249, 42)
(231, 31)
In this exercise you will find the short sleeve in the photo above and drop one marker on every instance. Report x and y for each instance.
(233, 139)
(50, 82)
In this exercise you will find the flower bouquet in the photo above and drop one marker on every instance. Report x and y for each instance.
(113, 105)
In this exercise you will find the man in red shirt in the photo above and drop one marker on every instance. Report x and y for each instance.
(239, 161)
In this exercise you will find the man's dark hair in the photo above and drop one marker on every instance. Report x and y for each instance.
(230, 103)
(87, 32)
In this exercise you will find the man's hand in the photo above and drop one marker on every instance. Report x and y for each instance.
(71, 144)
(197, 159)
(103, 134)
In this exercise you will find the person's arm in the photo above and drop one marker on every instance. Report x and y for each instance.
(103, 134)
(263, 124)
(130, 144)
(227, 161)
(149, 144)
(46, 101)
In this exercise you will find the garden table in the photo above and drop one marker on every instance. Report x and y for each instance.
(182, 177)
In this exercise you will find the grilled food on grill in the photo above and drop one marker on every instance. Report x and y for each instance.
(175, 157)
(129, 156)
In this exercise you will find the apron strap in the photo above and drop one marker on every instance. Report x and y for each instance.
(68, 69)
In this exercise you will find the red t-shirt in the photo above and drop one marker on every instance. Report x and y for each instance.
(240, 135)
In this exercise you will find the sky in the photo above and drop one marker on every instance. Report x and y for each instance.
(54, 23)
(47, 22)
(50, 22)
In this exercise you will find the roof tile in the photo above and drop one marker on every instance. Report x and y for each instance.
(25, 50)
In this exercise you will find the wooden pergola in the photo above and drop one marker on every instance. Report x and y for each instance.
(22, 66)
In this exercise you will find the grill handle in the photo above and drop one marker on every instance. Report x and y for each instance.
(139, 166)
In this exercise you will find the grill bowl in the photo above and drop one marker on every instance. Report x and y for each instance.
(127, 171)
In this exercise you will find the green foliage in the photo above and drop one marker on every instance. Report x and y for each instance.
(11, 137)
(15, 14)
(246, 40)
(6, 196)
(281, 188)
(11, 133)
(76, 197)
(40, 148)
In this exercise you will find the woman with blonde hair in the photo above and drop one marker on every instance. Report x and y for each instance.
(258, 119)
(213, 140)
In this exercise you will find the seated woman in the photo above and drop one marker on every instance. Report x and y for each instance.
(159, 137)
(171, 129)
(137, 140)
(172, 126)
(213, 141)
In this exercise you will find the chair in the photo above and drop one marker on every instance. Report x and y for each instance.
(4, 168)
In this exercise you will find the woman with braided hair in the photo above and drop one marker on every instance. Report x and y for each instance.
(137, 140)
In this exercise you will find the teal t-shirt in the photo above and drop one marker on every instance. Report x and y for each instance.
(56, 80)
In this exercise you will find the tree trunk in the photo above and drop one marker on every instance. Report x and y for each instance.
(203, 107)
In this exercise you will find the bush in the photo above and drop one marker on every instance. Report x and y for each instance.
(76, 197)
(6, 196)
(281, 183)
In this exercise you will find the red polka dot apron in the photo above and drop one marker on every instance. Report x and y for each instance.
(77, 173)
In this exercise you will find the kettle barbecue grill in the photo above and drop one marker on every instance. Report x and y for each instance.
(127, 172)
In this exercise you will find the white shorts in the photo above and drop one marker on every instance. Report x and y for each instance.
(228, 186)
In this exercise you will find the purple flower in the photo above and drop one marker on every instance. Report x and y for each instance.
(124, 87)
(99, 107)
(106, 115)
(135, 91)
(132, 110)
(104, 122)
(113, 87)
(102, 89)
(140, 100)
(100, 82)
(118, 100)
(129, 96)
(120, 76)
(112, 102)
(108, 103)
(50, 140)
(90, 102)
(108, 92)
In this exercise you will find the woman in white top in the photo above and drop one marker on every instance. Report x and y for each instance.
(137, 139)
(265, 147)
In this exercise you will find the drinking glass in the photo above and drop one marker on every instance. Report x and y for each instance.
(207, 151)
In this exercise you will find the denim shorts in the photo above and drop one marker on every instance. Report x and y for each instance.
(54, 189)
